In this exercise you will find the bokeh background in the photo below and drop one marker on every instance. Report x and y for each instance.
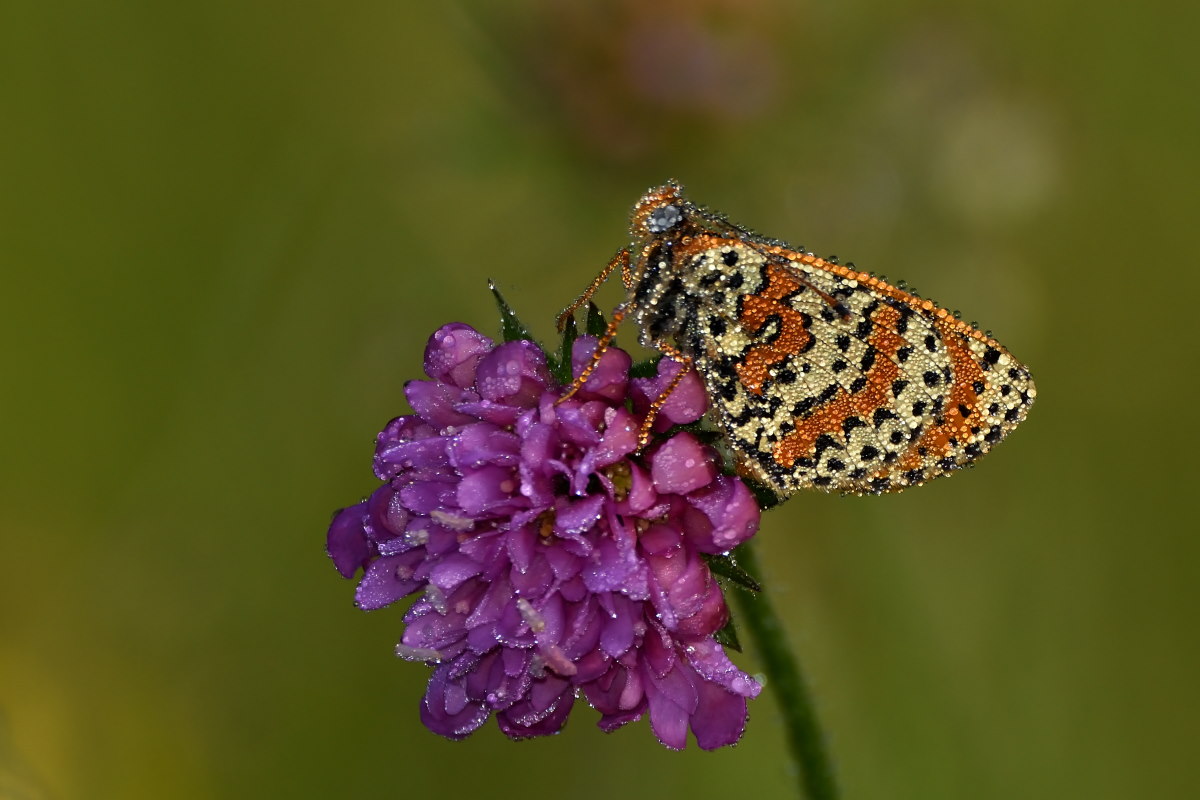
(226, 229)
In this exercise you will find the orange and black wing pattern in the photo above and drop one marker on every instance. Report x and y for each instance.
(822, 376)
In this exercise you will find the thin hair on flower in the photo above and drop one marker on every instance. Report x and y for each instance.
(551, 558)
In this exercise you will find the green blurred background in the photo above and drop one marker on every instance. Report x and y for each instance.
(226, 229)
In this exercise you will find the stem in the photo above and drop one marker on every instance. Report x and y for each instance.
(805, 740)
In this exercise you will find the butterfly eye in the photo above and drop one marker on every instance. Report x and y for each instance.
(663, 219)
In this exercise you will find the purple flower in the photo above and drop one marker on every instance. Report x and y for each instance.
(551, 558)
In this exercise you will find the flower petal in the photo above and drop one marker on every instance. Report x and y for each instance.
(521, 543)
(611, 375)
(436, 708)
(393, 457)
(720, 717)
(483, 443)
(426, 496)
(712, 664)
(451, 571)
(387, 580)
(432, 633)
(574, 423)
(689, 600)
(434, 402)
(641, 490)
(668, 719)
(525, 719)
(686, 403)
(731, 508)
(582, 626)
(487, 489)
(618, 632)
(574, 517)
(618, 695)
(620, 438)
(515, 373)
(453, 352)
(346, 543)
(681, 465)
(612, 569)
(387, 518)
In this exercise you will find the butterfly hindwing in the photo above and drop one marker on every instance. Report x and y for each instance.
(823, 381)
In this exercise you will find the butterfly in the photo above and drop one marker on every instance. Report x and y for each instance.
(820, 376)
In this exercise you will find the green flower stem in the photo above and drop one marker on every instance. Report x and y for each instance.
(785, 679)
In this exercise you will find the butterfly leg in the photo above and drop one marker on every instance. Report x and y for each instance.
(686, 363)
(610, 333)
(621, 260)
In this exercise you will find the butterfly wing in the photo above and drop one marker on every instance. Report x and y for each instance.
(830, 378)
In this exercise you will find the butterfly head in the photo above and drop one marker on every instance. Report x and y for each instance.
(661, 211)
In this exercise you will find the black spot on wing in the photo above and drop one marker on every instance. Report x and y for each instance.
(882, 415)
(823, 443)
(868, 359)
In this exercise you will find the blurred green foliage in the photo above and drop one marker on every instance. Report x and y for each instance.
(227, 228)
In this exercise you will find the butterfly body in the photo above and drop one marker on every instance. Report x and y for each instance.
(820, 375)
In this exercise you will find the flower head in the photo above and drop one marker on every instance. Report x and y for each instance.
(552, 559)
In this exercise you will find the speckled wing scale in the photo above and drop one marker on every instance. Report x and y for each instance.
(822, 376)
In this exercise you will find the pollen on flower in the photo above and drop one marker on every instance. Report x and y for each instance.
(550, 557)
(531, 616)
(451, 521)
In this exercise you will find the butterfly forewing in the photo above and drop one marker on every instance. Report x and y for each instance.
(822, 376)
